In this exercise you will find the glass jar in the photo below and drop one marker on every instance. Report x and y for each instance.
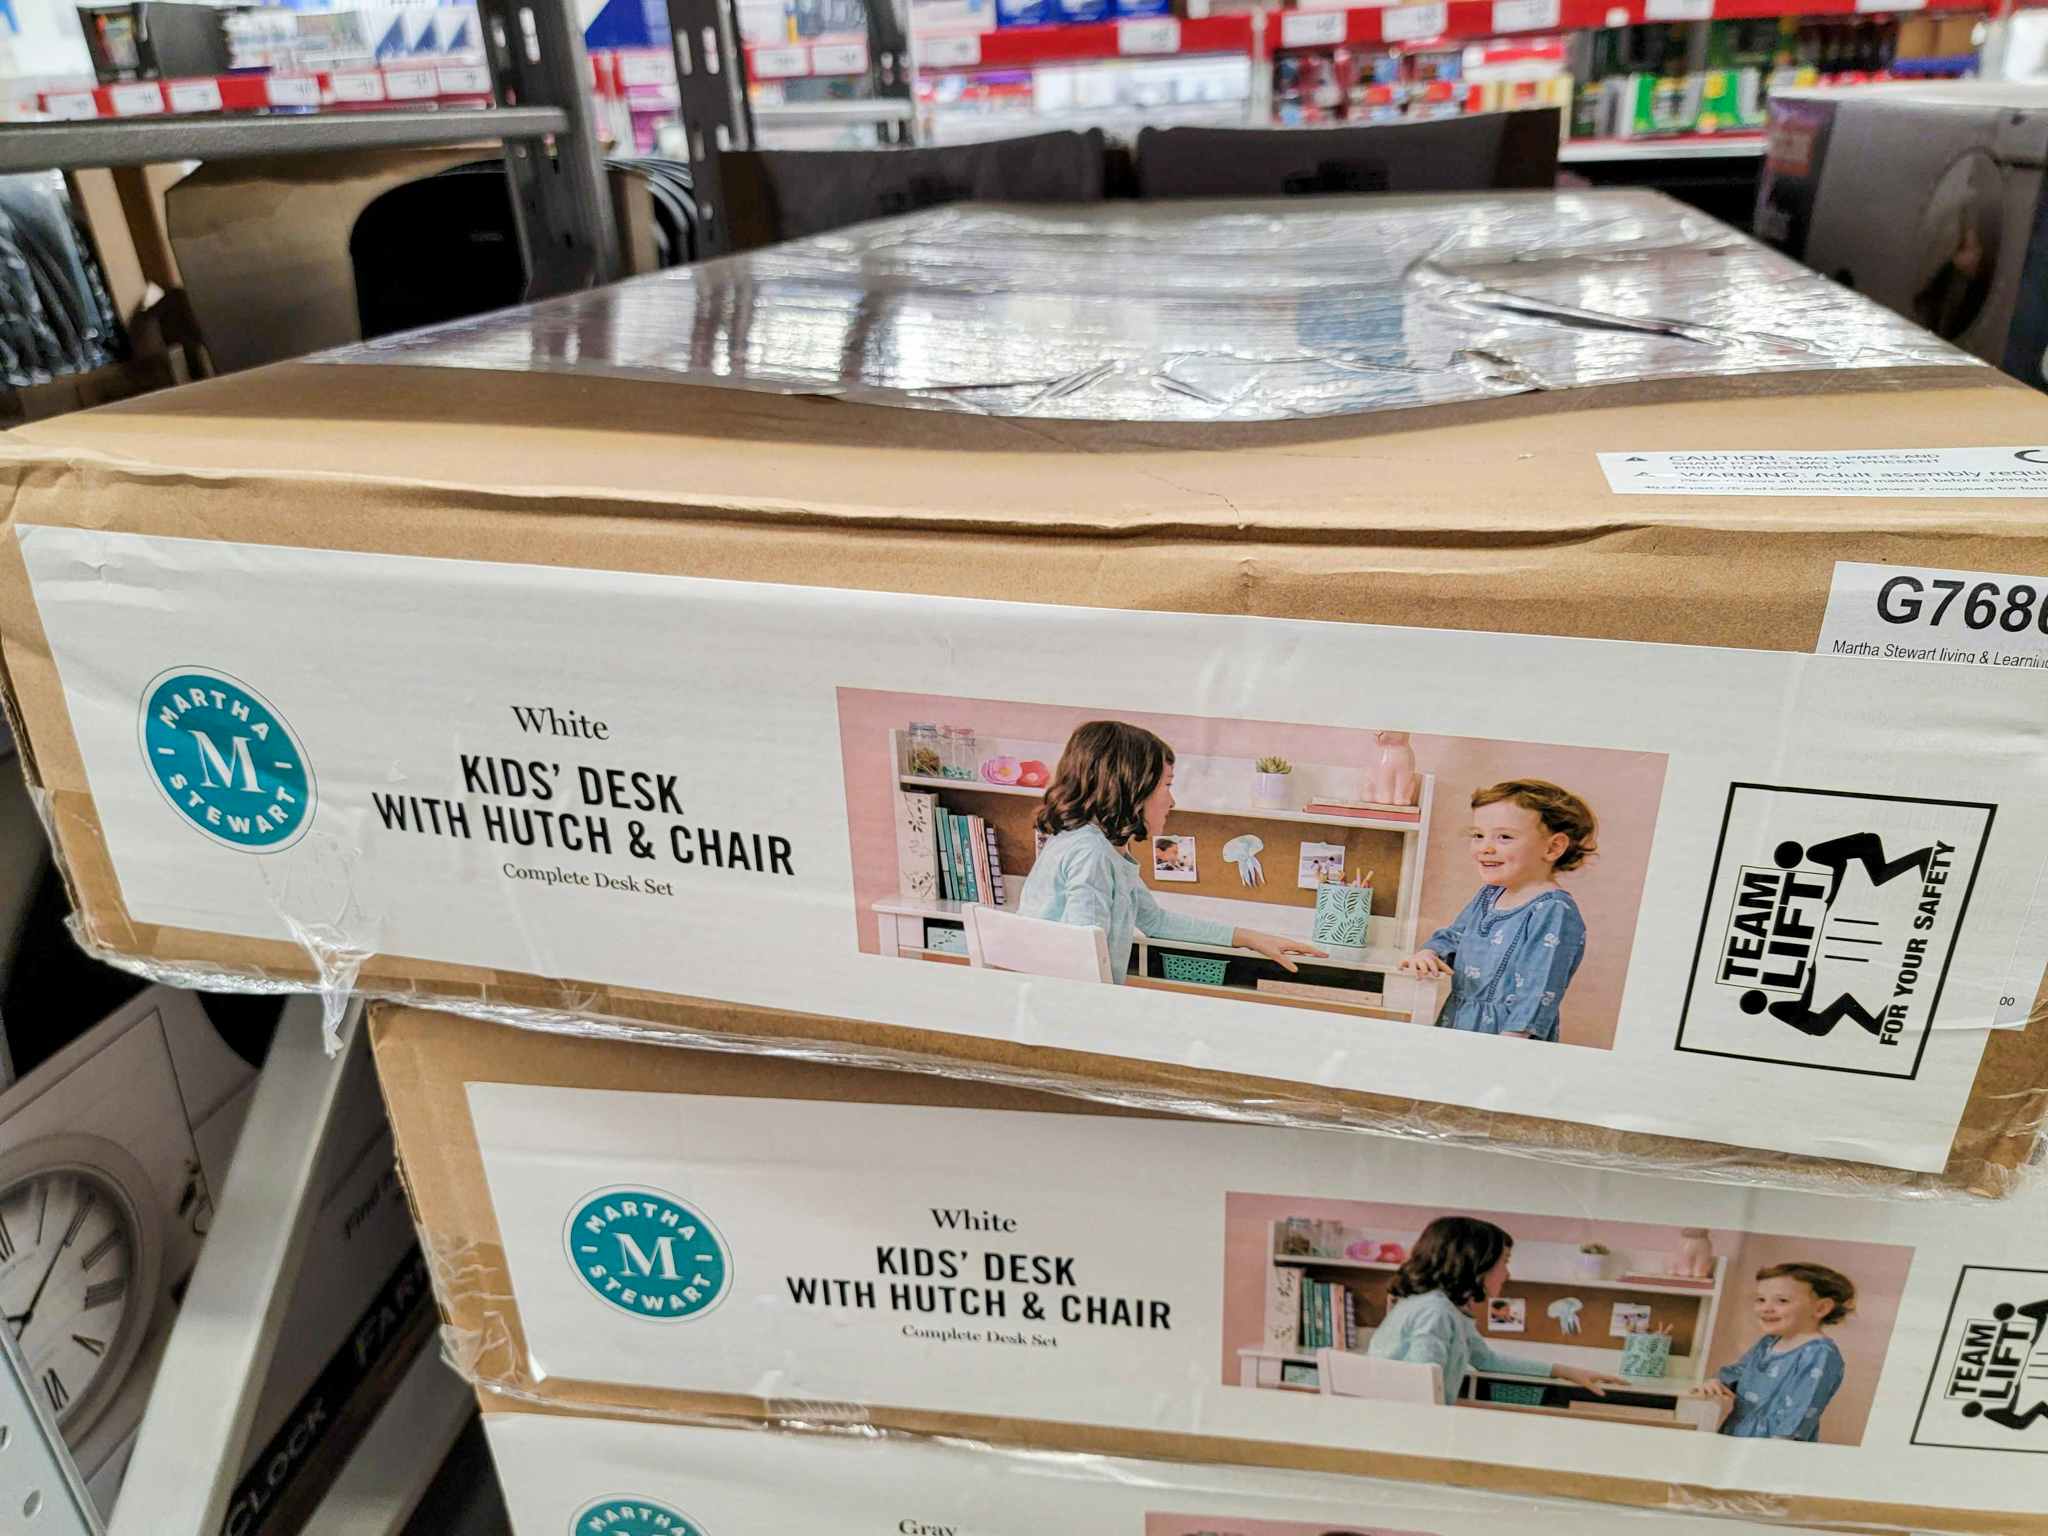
(965, 761)
(926, 757)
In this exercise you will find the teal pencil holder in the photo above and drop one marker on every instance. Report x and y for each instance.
(1343, 914)
(1204, 970)
(1646, 1354)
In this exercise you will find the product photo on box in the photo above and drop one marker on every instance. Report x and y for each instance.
(653, 1232)
(1541, 722)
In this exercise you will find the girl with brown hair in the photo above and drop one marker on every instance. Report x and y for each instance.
(1113, 785)
(1460, 1263)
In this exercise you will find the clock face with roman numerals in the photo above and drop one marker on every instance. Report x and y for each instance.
(77, 1274)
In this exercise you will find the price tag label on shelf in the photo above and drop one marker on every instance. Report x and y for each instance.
(1678, 10)
(1311, 29)
(139, 98)
(357, 85)
(839, 58)
(1407, 23)
(959, 52)
(71, 104)
(1158, 34)
(1875, 7)
(778, 63)
(194, 96)
(292, 90)
(463, 80)
(646, 66)
(1526, 15)
(410, 84)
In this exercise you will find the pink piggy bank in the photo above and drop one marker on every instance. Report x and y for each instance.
(1032, 774)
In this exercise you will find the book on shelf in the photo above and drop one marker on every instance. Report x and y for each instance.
(963, 861)
(949, 883)
(917, 848)
(1365, 810)
(997, 892)
(977, 848)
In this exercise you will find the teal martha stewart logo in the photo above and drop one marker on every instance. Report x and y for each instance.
(225, 760)
(647, 1253)
(632, 1517)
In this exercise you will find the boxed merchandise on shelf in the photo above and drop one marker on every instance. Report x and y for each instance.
(363, 672)
(651, 1232)
(561, 1473)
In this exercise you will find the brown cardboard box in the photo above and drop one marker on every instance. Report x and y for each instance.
(1267, 480)
(262, 246)
(659, 1234)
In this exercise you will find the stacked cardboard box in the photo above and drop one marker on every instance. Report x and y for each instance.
(602, 668)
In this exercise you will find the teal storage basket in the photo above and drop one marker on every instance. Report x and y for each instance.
(1511, 1392)
(1204, 970)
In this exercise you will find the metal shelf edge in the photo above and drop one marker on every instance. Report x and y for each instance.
(152, 140)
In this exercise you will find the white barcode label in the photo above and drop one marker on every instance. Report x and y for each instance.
(1160, 34)
(961, 52)
(1406, 23)
(139, 98)
(194, 96)
(292, 91)
(1678, 10)
(839, 59)
(778, 63)
(1525, 15)
(1311, 29)
(463, 80)
(410, 84)
(357, 85)
(648, 67)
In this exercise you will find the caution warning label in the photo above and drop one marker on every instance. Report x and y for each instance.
(1890, 472)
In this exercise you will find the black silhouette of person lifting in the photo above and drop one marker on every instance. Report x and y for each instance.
(1835, 856)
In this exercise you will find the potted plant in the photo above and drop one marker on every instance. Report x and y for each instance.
(1270, 784)
(1593, 1260)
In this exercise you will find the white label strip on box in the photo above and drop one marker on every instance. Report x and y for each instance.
(357, 85)
(1160, 34)
(292, 90)
(778, 63)
(194, 96)
(1678, 10)
(591, 1474)
(1525, 15)
(839, 58)
(1312, 29)
(1874, 7)
(960, 51)
(769, 833)
(980, 1262)
(646, 67)
(410, 84)
(1919, 472)
(1410, 23)
(140, 98)
(462, 80)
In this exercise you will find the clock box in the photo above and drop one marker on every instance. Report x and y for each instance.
(647, 1231)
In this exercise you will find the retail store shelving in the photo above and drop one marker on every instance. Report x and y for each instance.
(1470, 20)
(533, 66)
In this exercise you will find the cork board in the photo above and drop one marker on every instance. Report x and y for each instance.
(1365, 848)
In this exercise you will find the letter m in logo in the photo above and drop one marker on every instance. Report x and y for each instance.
(635, 1260)
(235, 768)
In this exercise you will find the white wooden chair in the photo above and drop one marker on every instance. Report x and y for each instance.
(1002, 941)
(1344, 1374)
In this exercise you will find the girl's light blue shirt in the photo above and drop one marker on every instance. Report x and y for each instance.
(1510, 969)
(1431, 1329)
(1082, 878)
(1781, 1397)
